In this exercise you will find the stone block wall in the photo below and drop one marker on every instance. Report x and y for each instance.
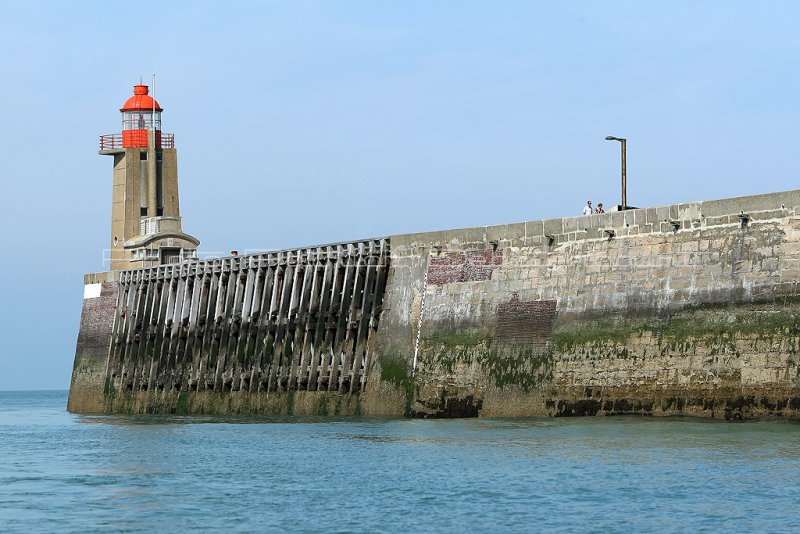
(682, 309)
(86, 393)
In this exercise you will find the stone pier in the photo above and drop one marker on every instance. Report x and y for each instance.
(682, 309)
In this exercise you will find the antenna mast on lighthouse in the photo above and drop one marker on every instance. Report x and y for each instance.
(154, 106)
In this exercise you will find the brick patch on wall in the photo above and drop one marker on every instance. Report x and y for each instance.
(467, 266)
(97, 318)
(526, 322)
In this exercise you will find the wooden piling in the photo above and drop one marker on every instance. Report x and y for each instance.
(274, 322)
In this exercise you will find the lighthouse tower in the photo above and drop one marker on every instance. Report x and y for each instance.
(145, 215)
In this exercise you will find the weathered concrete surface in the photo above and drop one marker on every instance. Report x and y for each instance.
(683, 309)
(145, 179)
(86, 392)
(206, 402)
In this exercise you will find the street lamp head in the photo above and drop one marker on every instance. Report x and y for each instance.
(612, 138)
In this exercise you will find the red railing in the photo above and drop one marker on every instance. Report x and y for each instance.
(114, 141)
(110, 141)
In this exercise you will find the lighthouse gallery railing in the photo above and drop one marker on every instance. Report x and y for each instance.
(114, 141)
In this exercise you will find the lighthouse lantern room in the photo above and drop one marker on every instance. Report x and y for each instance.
(140, 114)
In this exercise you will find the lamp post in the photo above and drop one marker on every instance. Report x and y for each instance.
(624, 183)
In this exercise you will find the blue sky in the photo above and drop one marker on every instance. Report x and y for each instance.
(309, 122)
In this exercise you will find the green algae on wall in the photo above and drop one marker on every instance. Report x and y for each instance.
(285, 403)
(716, 328)
(503, 363)
(395, 372)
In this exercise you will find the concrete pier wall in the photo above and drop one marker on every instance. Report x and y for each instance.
(87, 389)
(683, 309)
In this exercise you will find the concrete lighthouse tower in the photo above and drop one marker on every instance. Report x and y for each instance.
(145, 215)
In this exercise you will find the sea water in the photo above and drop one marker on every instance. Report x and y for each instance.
(68, 473)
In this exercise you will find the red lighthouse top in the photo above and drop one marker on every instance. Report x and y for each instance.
(140, 114)
(140, 100)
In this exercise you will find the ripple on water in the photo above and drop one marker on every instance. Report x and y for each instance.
(91, 473)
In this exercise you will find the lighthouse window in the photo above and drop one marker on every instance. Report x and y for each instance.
(140, 120)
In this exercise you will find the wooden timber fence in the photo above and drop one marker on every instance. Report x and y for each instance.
(280, 321)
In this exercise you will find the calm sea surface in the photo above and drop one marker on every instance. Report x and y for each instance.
(66, 473)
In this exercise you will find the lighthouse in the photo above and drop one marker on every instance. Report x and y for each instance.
(145, 215)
